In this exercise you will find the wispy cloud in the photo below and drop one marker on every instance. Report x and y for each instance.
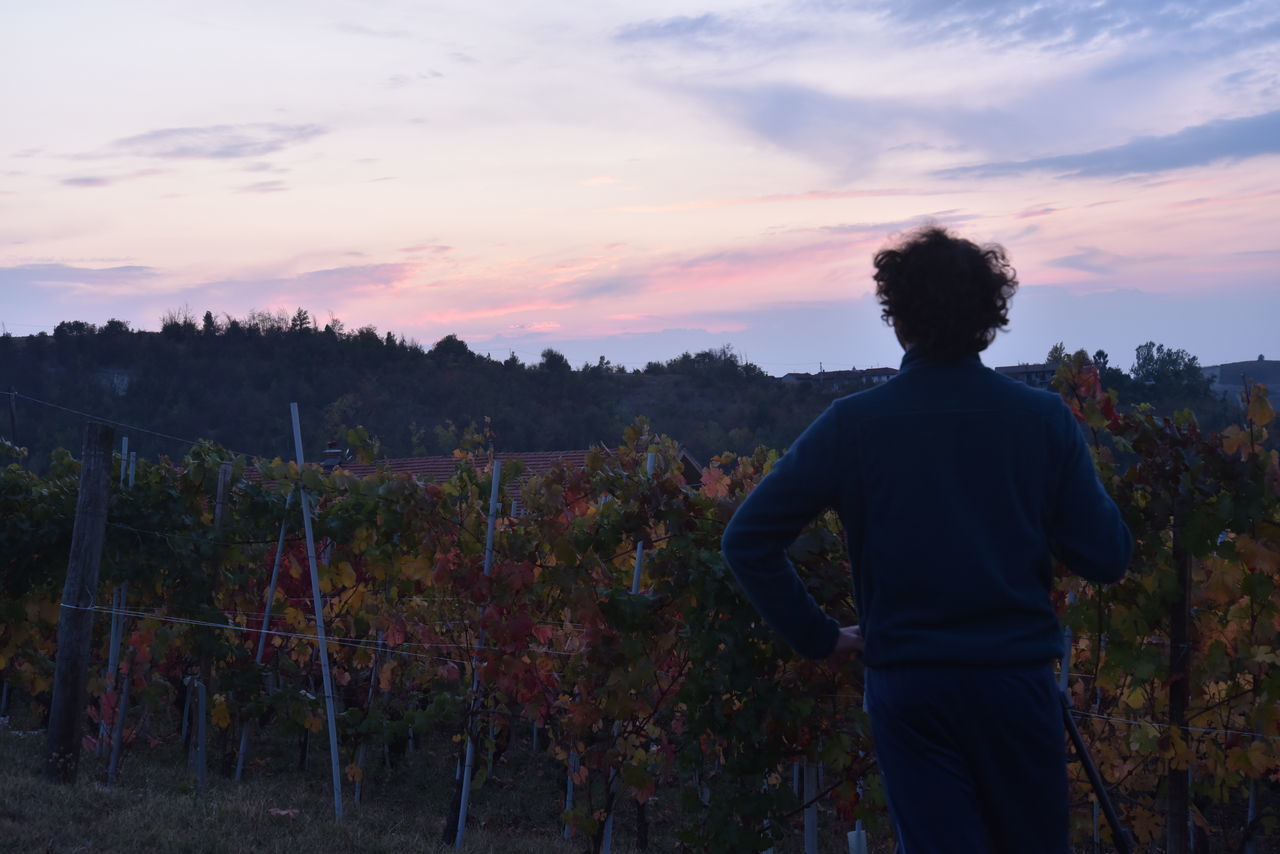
(433, 248)
(215, 142)
(883, 230)
(71, 277)
(1200, 145)
(87, 181)
(711, 31)
(1088, 259)
(264, 187)
(843, 131)
(330, 283)
(680, 27)
(1062, 24)
(108, 180)
(374, 32)
(809, 196)
(797, 263)
(362, 277)
(399, 81)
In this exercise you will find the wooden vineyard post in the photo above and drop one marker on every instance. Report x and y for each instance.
(321, 640)
(468, 764)
(220, 502)
(75, 619)
(266, 624)
(119, 598)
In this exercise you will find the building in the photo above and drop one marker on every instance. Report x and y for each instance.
(1230, 378)
(1036, 376)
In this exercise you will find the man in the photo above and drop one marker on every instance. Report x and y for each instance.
(956, 487)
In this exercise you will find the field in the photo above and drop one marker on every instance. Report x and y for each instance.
(155, 807)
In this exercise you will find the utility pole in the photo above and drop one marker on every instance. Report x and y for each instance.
(75, 619)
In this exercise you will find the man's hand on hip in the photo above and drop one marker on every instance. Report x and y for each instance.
(849, 640)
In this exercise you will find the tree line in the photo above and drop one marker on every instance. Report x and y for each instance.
(230, 380)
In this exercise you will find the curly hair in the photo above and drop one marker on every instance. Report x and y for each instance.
(946, 295)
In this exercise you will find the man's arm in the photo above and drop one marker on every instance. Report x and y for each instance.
(801, 485)
(1088, 533)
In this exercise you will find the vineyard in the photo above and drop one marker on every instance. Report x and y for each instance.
(587, 613)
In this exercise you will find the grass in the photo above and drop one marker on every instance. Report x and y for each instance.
(154, 807)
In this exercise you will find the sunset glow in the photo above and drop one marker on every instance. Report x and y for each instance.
(610, 181)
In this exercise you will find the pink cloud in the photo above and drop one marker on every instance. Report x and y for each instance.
(810, 196)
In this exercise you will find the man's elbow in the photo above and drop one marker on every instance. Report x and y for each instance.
(1110, 567)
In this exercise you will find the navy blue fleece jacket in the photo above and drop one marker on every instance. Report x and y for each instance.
(955, 486)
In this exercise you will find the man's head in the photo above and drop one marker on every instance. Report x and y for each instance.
(943, 294)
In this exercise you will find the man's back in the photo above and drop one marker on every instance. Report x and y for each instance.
(955, 486)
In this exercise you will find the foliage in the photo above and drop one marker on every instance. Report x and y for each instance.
(1186, 644)
(675, 684)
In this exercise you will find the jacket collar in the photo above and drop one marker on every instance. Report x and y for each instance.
(915, 359)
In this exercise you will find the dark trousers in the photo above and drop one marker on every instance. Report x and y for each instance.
(973, 759)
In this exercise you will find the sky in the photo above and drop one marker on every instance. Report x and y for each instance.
(634, 180)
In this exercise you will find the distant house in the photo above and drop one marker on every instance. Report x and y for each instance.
(1036, 376)
(1229, 379)
(876, 376)
(840, 380)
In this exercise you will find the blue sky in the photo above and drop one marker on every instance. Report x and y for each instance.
(632, 182)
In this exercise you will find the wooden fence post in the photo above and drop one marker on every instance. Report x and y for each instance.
(75, 618)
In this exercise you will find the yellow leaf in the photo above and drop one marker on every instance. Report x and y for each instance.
(345, 576)
(221, 715)
(295, 617)
(354, 773)
(314, 723)
(1238, 759)
(1260, 411)
(1265, 655)
(1237, 441)
(1224, 577)
(416, 567)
